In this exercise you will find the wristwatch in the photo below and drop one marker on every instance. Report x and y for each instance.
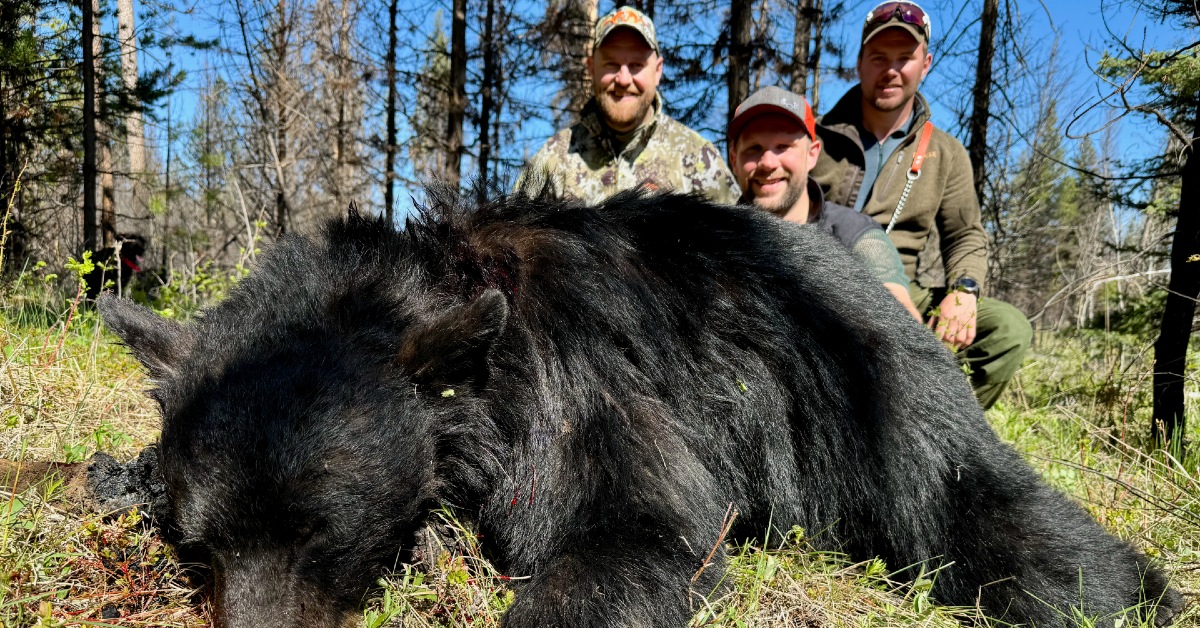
(967, 285)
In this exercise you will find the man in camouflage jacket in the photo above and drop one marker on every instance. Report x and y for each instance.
(870, 141)
(623, 139)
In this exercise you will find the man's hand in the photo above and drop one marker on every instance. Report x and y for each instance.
(954, 320)
(901, 294)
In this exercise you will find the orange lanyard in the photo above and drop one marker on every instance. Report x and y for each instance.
(914, 172)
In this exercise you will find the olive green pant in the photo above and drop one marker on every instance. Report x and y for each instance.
(1002, 335)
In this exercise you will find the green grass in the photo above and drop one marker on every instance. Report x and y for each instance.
(1078, 412)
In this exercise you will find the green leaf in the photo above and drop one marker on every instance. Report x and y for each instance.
(10, 509)
(458, 576)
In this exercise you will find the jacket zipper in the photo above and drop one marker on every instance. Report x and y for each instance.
(909, 141)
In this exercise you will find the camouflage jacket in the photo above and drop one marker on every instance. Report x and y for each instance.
(581, 161)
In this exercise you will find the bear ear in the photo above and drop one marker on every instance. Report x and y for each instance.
(160, 344)
(453, 349)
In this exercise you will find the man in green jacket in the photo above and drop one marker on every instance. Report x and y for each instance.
(883, 157)
(623, 138)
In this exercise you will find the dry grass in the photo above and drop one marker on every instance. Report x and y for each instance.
(66, 391)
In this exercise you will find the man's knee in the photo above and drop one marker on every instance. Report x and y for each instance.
(1003, 327)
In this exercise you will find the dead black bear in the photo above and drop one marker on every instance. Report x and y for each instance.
(594, 387)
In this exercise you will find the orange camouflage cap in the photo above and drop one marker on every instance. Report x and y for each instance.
(627, 17)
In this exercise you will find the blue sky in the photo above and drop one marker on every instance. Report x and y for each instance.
(1076, 25)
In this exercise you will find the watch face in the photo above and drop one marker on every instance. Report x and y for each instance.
(968, 285)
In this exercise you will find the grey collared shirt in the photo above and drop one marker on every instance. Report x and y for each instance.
(874, 154)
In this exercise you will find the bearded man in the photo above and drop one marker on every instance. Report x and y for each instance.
(772, 146)
(623, 139)
(884, 157)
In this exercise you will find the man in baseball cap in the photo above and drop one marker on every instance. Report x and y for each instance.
(772, 146)
(884, 157)
(623, 139)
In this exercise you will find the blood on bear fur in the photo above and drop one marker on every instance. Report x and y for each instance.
(627, 372)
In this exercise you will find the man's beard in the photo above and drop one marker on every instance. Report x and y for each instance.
(880, 105)
(626, 115)
(784, 204)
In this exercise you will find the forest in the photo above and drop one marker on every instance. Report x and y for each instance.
(206, 129)
(197, 133)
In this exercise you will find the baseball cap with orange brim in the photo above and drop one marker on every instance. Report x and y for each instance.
(772, 100)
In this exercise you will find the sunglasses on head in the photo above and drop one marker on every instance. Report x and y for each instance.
(906, 11)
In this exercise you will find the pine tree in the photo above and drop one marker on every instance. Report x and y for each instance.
(1173, 99)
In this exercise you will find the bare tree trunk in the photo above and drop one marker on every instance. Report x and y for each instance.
(135, 136)
(389, 155)
(89, 125)
(982, 93)
(280, 44)
(458, 94)
(342, 171)
(801, 39)
(1183, 289)
(502, 32)
(566, 35)
(737, 71)
(104, 165)
(814, 63)
(589, 13)
(487, 104)
(8, 152)
(166, 250)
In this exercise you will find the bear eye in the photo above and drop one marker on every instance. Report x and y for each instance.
(306, 531)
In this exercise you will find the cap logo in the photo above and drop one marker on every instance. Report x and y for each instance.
(624, 16)
(628, 17)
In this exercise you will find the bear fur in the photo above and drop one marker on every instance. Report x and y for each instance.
(593, 387)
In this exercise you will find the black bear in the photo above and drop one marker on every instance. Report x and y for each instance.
(117, 263)
(593, 386)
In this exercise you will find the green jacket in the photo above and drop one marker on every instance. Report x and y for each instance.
(941, 213)
(581, 161)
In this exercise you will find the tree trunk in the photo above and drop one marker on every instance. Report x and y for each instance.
(737, 71)
(802, 37)
(814, 60)
(583, 20)
(135, 137)
(458, 94)
(89, 126)
(8, 153)
(487, 104)
(343, 172)
(498, 93)
(982, 93)
(1170, 350)
(166, 195)
(280, 44)
(589, 13)
(389, 156)
(104, 165)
